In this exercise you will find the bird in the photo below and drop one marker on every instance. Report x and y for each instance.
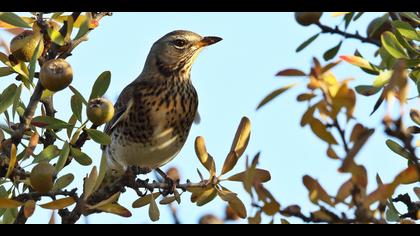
(155, 112)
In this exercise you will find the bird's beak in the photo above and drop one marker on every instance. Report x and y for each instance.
(207, 41)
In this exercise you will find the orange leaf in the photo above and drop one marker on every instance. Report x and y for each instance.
(358, 61)
(344, 191)
(29, 208)
(290, 72)
(271, 208)
(383, 192)
(59, 204)
(407, 176)
(9, 203)
(33, 142)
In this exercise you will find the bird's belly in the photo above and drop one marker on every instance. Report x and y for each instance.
(162, 149)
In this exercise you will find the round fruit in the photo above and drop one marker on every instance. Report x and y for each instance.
(23, 46)
(42, 176)
(100, 111)
(307, 18)
(374, 32)
(56, 75)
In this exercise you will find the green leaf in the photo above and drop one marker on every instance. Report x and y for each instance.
(76, 107)
(84, 29)
(403, 41)
(98, 136)
(412, 16)
(331, 53)
(64, 154)
(367, 90)
(383, 78)
(7, 97)
(47, 154)
(391, 44)
(81, 157)
(101, 85)
(72, 122)
(78, 94)
(13, 19)
(396, 148)
(406, 30)
(357, 16)
(5, 71)
(391, 215)
(32, 64)
(49, 122)
(63, 182)
(16, 100)
(347, 19)
(274, 94)
(307, 42)
(56, 36)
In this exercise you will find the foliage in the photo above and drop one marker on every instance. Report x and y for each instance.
(330, 115)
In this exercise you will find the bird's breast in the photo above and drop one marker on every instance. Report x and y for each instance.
(156, 128)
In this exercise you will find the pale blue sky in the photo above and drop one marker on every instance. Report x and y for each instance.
(231, 78)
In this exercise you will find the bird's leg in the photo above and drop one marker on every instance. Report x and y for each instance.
(167, 180)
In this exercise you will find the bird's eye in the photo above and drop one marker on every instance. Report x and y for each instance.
(179, 43)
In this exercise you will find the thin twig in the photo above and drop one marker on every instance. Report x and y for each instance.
(336, 30)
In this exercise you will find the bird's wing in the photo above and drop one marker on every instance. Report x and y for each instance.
(121, 107)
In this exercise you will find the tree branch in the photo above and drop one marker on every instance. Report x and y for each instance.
(336, 30)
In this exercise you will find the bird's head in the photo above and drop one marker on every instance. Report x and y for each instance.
(177, 50)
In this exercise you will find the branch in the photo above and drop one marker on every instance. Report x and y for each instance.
(336, 30)
(129, 179)
(342, 135)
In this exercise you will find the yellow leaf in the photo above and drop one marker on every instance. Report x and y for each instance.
(5, 25)
(112, 199)
(80, 20)
(238, 207)
(321, 215)
(29, 208)
(206, 196)
(259, 175)
(12, 161)
(115, 208)
(9, 203)
(242, 136)
(59, 204)
(143, 201)
(205, 158)
(89, 183)
(167, 200)
(335, 14)
(321, 131)
(154, 213)
(226, 195)
(316, 191)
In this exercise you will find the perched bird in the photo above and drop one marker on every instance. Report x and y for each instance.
(154, 114)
